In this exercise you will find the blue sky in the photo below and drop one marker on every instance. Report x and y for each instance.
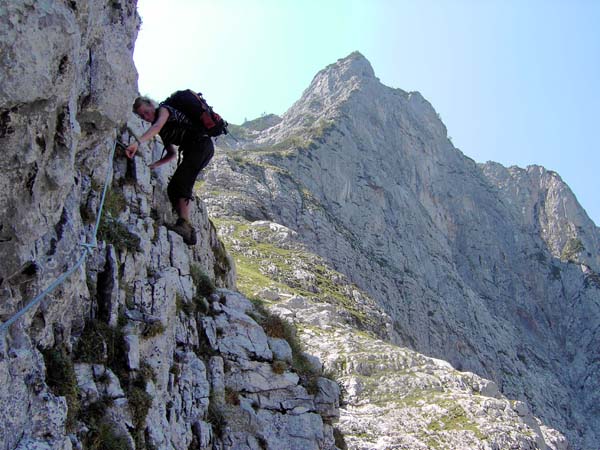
(517, 82)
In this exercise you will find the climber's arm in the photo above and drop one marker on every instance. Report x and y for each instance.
(163, 115)
(170, 156)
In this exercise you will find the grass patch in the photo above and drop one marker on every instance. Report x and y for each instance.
(147, 373)
(262, 123)
(253, 253)
(62, 381)
(279, 367)
(114, 202)
(277, 327)
(182, 305)
(455, 419)
(139, 403)
(153, 329)
(573, 247)
(204, 285)
(102, 344)
(116, 233)
(216, 418)
(101, 435)
(232, 397)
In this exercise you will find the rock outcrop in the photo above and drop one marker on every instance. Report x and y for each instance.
(352, 216)
(494, 270)
(146, 346)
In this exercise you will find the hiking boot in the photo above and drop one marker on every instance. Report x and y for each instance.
(184, 229)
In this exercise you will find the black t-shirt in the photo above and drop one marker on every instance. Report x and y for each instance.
(175, 128)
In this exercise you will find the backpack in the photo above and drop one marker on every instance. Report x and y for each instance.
(198, 112)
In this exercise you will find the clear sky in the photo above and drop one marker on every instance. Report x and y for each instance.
(515, 81)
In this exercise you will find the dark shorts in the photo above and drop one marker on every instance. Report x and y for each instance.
(197, 152)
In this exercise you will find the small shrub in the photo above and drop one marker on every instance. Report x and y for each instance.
(102, 344)
(204, 285)
(571, 249)
(153, 329)
(279, 366)
(114, 202)
(202, 305)
(277, 327)
(103, 437)
(139, 403)
(95, 412)
(116, 233)
(62, 381)
(147, 373)
(215, 417)
(232, 397)
(188, 308)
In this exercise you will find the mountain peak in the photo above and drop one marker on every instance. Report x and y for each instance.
(333, 84)
(355, 64)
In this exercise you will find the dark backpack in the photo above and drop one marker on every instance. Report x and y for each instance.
(198, 112)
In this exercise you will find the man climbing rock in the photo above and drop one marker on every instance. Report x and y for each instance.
(176, 128)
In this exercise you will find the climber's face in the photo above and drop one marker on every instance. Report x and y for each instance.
(146, 112)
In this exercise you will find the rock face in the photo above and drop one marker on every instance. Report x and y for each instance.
(373, 214)
(352, 216)
(138, 348)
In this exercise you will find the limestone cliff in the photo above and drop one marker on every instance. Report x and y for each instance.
(145, 346)
(352, 216)
(494, 270)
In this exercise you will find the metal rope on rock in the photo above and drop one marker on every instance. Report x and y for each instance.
(87, 250)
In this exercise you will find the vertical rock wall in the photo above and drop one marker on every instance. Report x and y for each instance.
(137, 349)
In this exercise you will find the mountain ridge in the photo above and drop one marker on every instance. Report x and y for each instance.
(425, 229)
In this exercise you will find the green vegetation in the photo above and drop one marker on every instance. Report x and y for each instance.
(101, 435)
(253, 255)
(455, 419)
(278, 366)
(139, 404)
(204, 285)
(147, 373)
(111, 229)
(62, 381)
(237, 131)
(277, 327)
(102, 344)
(232, 397)
(572, 248)
(322, 127)
(183, 306)
(114, 202)
(216, 418)
(116, 233)
(261, 123)
(222, 265)
(153, 329)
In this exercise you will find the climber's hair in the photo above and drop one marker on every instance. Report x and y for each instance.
(141, 100)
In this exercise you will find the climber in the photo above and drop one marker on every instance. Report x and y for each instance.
(197, 148)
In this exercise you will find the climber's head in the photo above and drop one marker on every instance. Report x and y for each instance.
(145, 108)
